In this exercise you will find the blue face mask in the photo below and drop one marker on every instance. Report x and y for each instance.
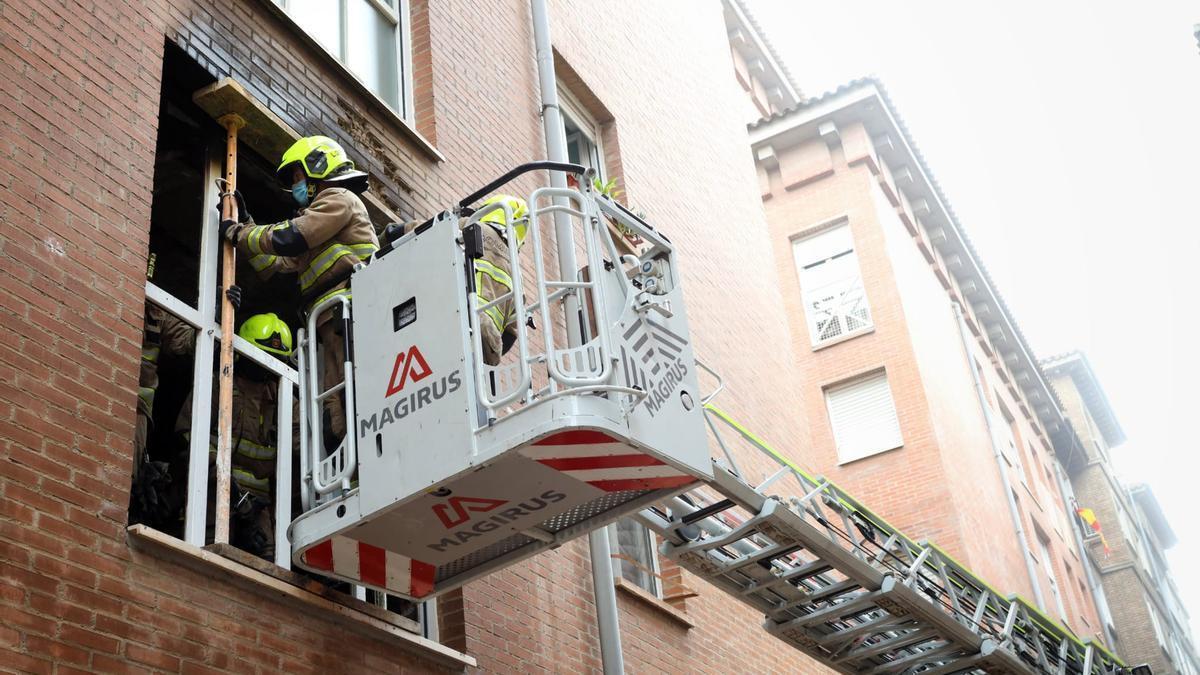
(300, 193)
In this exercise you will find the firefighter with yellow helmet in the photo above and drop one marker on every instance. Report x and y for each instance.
(493, 275)
(254, 439)
(330, 235)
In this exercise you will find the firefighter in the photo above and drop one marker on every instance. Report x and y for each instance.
(254, 436)
(493, 277)
(330, 234)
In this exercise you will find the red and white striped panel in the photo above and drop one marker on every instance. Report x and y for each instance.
(371, 565)
(603, 462)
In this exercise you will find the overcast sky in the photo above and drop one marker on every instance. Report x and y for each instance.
(1065, 135)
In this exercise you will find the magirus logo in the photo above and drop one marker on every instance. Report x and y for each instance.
(460, 506)
(410, 367)
(408, 364)
(656, 364)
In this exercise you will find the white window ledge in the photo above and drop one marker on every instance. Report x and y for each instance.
(367, 620)
(843, 338)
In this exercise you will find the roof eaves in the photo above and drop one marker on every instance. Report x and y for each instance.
(1079, 368)
(771, 51)
(1144, 496)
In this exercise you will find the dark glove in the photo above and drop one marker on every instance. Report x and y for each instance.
(234, 293)
(243, 214)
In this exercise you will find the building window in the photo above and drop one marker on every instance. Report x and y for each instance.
(863, 417)
(580, 133)
(1007, 437)
(1156, 622)
(831, 284)
(183, 279)
(634, 557)
(368, 37)
(1048, 565)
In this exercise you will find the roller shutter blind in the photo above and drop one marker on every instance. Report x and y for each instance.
(863, 417)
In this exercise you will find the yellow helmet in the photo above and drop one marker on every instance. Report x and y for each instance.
(520, 213)
(321, 157)
(269, 333)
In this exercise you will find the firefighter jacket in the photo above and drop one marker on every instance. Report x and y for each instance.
(254, 432)
(164, 332)
(321, 244)
(493, 279)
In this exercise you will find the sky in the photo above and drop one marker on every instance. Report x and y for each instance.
(1066, 135)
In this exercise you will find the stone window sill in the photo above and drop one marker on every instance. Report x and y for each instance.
(654, 603)
(243, 570)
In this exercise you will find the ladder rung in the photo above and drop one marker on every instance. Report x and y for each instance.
(796, 574)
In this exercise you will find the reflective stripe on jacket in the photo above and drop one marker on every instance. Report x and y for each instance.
(337, 231)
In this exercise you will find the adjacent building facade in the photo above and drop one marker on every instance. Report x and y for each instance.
(921, 394)
(1145, 615)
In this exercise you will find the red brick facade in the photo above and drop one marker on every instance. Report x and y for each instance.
(80, 92)
(943, 483)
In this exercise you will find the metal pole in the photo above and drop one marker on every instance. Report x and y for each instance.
(602, 576)
(1018, 526)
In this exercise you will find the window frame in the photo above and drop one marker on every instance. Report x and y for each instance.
(655, 569)
(571, 109)
(843, 457)
(401, 18)
(205, 320)
(850, 258)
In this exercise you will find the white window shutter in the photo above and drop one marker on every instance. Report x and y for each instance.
(863, 417)
(831, 286)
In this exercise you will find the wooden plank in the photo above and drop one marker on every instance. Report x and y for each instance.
(265, 132)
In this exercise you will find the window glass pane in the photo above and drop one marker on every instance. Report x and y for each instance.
(371, 50)
(320, 19)
(630, 542)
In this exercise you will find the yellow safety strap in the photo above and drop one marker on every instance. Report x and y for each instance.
(147, 396)
(150, 354)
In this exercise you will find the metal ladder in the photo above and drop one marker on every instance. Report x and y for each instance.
(838, 583)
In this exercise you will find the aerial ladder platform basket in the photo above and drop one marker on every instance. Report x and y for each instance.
(453, 467)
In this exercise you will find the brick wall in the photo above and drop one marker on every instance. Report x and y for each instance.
(1126, 585)
(80, 95)
(944, 483)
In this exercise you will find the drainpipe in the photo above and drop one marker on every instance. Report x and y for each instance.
(1018, 524)
(1068, 496)
(602, 574)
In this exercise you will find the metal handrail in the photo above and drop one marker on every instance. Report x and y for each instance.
(345, 458)
(517, 292)
(599, 343)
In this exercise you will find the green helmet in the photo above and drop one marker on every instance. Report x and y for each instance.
(267, 332)
(519, 213)
(321, 158)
